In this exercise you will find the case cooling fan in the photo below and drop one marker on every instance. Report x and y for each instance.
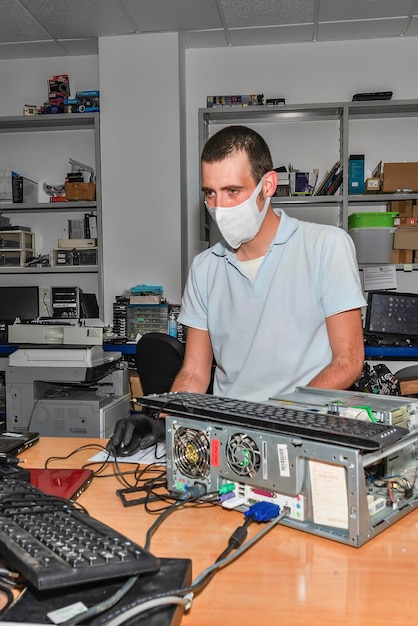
(243, 455)
(191, 452)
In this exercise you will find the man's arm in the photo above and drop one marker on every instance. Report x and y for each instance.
(195, 373)
(345, 332)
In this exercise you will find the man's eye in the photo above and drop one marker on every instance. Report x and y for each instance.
(208, 194)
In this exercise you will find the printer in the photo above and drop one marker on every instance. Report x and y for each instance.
(65, 388)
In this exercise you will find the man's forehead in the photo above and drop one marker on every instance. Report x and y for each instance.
(234, 162)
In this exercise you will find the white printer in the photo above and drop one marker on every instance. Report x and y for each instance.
(64, 388)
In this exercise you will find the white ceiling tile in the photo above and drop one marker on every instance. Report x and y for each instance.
(72, 19)
(16, 24)
(247, 13)
(74, 25)
(361, 29)
(166, 15)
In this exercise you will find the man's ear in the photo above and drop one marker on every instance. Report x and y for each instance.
(270, 184)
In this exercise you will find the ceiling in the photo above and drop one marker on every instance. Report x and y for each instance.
(44, 28)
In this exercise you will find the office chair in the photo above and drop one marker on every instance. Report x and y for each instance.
(158, 359)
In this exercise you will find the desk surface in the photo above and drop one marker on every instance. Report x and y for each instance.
(288, 576)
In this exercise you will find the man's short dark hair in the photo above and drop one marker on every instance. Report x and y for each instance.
(239, 139)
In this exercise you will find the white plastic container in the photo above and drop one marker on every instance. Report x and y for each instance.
(373, 245)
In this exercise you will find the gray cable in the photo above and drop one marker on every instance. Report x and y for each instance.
(186, 600)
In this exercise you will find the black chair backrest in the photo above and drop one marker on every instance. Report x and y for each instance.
(158, 360)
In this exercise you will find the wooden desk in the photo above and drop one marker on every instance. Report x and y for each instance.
(288, 577)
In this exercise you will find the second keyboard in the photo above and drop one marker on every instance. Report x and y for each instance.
(322, 427)
(53, 544)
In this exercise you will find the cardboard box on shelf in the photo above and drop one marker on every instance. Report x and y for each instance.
(80, 191)
(400, 177)
(402, 256)
(405, 239)
(403, 207)
(372, 185)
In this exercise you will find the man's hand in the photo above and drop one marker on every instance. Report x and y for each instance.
(134, 433)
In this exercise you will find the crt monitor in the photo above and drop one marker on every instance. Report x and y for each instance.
(22, 302)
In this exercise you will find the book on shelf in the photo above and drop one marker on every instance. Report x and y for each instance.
(323, 186)
(335, 183)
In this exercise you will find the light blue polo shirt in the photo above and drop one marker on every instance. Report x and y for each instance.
(269, 336)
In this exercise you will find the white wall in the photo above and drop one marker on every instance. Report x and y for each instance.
(300, 73)
(140, 145)
(24, 81)
(143, 87)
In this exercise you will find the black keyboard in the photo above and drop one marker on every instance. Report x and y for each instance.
(54, 544)
(324, 427)
(374, 95)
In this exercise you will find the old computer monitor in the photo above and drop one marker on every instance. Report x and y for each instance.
(21, 302)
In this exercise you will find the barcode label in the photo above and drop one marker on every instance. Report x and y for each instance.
(284, 468)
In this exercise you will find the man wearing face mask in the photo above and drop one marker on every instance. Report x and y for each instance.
(276, 303)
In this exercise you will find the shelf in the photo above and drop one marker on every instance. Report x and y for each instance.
(383, 109)
(51, 137)
(68, 269)
(306, 200)
(381, 198)
(48, 207)
(268, 114)
(398, 266)
(42, 123)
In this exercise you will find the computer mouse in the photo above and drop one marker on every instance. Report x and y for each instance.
(138, 442)
(131, 434)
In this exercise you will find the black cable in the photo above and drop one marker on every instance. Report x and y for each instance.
(201, 581)
(9, 597)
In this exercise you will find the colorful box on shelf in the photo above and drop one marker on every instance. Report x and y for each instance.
(356, 173)
(372, 220)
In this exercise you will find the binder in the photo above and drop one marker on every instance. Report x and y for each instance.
(91, 226)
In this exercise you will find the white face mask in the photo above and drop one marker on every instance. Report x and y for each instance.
(240, 223)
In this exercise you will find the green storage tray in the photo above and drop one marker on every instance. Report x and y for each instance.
(372, 220)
